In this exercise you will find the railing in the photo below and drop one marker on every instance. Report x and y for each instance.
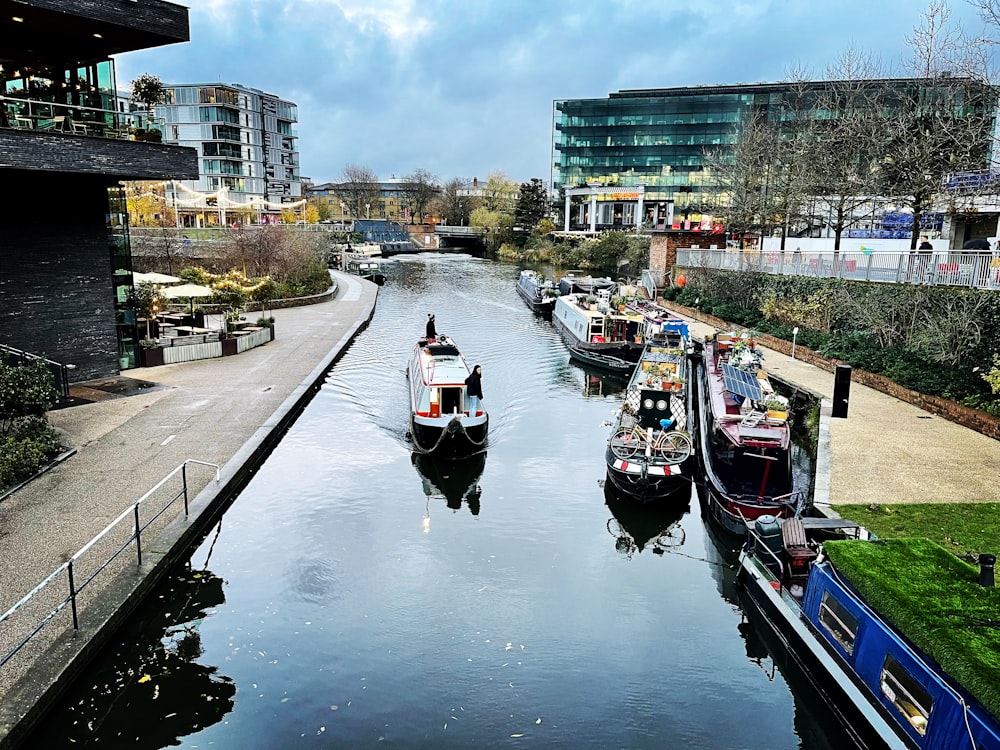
(69, 568)
(962, 268)
(58, 117)
(60, 371)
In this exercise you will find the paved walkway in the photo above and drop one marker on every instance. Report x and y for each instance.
(209, 410)
(889, 451)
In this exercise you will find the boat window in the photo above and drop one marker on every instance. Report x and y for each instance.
(906, 695)
(838, 622)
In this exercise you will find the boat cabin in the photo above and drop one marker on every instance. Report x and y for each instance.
(443, 371)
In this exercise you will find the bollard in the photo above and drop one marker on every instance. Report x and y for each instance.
(841, 391)
(986, 563)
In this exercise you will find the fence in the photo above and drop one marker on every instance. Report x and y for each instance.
(976, 270)
(42, 604)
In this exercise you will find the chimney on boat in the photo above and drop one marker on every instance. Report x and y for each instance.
(986, 563)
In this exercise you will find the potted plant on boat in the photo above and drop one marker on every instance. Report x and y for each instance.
(591, 301)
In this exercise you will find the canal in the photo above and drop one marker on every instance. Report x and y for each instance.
(352, 597)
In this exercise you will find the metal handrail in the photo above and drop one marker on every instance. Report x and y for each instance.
(68, 566)
(59, 370)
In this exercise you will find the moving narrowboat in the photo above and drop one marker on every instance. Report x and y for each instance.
(441, 420)
(537, 292)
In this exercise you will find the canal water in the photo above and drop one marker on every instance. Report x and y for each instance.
(352, 597)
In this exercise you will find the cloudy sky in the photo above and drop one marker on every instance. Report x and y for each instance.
(464, 87)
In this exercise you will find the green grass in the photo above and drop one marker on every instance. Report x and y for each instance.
(934, 598)
(964, 529)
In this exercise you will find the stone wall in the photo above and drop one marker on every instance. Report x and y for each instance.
(974, 419)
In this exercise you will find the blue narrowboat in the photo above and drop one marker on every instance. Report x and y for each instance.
(881, 687)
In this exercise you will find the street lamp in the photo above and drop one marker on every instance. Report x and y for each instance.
(367, 210)
(795, 332)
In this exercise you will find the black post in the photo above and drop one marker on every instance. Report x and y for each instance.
(986, 564)
(841, 391)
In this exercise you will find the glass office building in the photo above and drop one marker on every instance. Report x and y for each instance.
(659, 137)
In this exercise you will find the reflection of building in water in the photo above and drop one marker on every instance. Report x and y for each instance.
(637, 526)
(455, 481)
(161, 665)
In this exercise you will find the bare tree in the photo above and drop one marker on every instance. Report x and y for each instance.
(454, 208)
(742, 174)
(359, 189)
(941, 125)
(848, 141)
(419, 188)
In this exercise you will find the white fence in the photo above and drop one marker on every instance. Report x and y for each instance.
(189, 353)
(250, 340)
(978, 270)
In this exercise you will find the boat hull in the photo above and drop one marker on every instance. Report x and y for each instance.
(603, 362)
(566, 323)
(449, 440)
(539, 305)
(770, 608)
(649, 484)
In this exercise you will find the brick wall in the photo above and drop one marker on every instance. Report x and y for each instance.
(663, 247)
(974, 419)
(56, 297)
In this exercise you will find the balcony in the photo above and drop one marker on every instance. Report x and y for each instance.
(49, 136)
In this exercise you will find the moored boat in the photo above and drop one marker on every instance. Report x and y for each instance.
(650, 453)
(366, 267)
(587, 323)
(441, 422)
(603, 362)
(575, 282)
(745, 437)
(537, 292)
(882, 654)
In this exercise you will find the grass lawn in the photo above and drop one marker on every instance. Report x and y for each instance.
(936, 600)
(965, 529)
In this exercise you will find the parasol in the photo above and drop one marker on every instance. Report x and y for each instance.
(186, 290)
(153, 278)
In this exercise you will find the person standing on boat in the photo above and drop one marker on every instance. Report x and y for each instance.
(474, 389)
(431, 330)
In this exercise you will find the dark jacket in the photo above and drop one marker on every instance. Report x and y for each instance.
(431, 330)
(474, 384)
(925, 246)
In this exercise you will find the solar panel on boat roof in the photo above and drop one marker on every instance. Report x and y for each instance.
(741, 382)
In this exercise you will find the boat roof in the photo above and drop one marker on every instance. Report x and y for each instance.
(934, 599)
(441, 363)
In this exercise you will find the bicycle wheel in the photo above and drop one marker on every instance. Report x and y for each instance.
(674, 447)
(624, 444)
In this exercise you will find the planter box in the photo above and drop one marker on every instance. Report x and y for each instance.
(151, 357)
(228, 347)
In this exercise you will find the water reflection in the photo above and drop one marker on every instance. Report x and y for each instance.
(637, 526)
(457, 481)
(597, 383)
(155, 672)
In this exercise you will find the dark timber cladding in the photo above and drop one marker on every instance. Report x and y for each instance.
(65, 266)
(65, 29)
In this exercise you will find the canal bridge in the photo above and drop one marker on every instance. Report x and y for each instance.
(466, 238)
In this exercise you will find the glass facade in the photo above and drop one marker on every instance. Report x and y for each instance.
(659, 137)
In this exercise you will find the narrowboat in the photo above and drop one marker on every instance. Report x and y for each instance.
(745, 437)
(650, 453)
(441, 422)
(537, 292)
(587, 323)
(603, 362)
(813, 582)
(367, 268)
(575, 282)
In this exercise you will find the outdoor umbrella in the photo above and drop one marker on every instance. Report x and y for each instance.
(153, 278)
(186, 290)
